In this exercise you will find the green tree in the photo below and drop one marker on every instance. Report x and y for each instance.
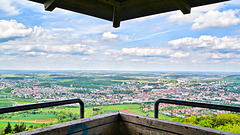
(206, 123)
(8, 129)
(19, 127)
(227, 122)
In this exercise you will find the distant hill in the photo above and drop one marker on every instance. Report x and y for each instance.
(232, 78)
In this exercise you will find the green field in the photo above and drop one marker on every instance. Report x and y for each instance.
(33, 116)
(135, 108)
(29, 119)
(6, 102)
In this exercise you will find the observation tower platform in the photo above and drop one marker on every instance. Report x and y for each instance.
(122, 123)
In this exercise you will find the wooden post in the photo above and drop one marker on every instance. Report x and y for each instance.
(116, 14)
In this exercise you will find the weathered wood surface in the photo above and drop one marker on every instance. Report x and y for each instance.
(167, 126)
(135, 129)
(122, 123)
(104, 124)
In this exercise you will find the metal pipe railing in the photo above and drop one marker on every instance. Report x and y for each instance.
(43, 105)
(193, 104)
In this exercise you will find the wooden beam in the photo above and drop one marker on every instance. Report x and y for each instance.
(50, 5)
(117, 10)
(127, 3)
(109, 2)
(183, 6)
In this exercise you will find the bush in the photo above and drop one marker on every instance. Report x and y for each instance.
(225, 122)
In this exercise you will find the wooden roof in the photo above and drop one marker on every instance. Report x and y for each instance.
(121, 10)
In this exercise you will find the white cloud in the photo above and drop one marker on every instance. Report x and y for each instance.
(36, 53)
(110, 52)
(221, 56)
(180, 18)
(77, 48)
(63, 29)
(227, 43)
(216, 19)
(39, 32)
(109, 35)
(164, 52)
(24, 47)
(190, 43)
(209, 43)
(194, 61)
(146, 51)
(207, 17)
(119, 59)
(73, 49)
(48, 50)
(207, 49)
(38, 41)
(10, 29)
(8, 9)
(137, 60)
(85, 59)
(180, 54)
(95, 28)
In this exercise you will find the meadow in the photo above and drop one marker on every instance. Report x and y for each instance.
(133, 108)
(29, 119)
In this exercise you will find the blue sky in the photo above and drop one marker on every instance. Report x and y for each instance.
(33, 39)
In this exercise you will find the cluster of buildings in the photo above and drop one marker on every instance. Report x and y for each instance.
(44, 93)
(176, 111)
(4, 83)
(9, 83)
(219, 92)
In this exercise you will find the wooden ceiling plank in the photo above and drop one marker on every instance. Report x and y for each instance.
(96, 9)
(128, 3)
(142, 10)
(109, 2)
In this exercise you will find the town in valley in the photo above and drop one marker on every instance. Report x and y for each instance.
(98, 88)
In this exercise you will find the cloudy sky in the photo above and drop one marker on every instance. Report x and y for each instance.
(206, 40)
